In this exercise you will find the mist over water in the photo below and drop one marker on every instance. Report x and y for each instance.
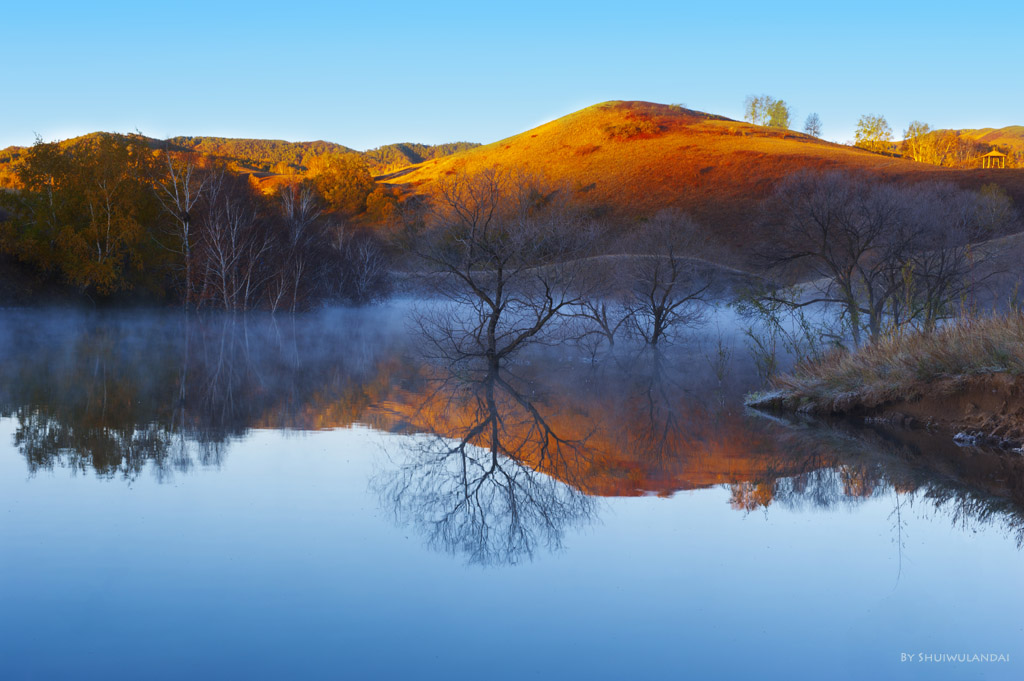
(304, 496)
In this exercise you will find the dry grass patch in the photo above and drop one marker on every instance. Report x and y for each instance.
(904, 367)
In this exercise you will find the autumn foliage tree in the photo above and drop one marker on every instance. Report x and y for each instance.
(82, 211)
(108, 213)
(766, 110)
(948, 148)
(873, 133)
(344, 182)
(918, 144)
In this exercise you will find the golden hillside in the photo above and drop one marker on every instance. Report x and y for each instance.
(635, 158)
(1011, 137)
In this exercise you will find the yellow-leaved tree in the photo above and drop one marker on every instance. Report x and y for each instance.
(82, 209)
(343, 181)
(873, 133)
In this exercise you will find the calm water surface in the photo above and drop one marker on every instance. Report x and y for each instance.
(229, 498)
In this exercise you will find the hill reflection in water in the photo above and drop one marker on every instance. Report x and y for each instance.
(493, 465)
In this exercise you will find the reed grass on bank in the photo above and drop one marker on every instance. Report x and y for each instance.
(901, 365)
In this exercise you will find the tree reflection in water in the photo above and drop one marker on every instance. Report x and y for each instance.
(115, 394)
(473, 482)
(495, 465)
(973, 487)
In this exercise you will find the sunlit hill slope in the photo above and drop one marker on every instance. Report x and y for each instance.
(1010, 137)
(632, 159)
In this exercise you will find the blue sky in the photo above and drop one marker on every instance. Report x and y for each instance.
(365, 74)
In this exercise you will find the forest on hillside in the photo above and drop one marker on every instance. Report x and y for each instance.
(276, 157)
(110, 216)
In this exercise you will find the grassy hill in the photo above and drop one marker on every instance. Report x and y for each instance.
(635, 158)
(626, 159)
(1012, 136)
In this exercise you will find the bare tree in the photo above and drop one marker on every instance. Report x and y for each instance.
(506, 251)
(179, 193)
(367, 267)
(602, 316)
(949, 264)
(298, 253)
(881, 254)
(812, 126)
(668, 280)
(843, 234)
(234, 243)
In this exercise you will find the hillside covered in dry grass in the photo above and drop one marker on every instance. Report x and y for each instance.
(632, 159)
(1011, 137)
(626, 160)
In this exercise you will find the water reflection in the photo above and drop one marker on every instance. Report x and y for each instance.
(491, 478)
(493, 465)
(116, 393)
(973, 487)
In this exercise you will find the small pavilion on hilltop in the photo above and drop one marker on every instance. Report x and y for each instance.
(993, 159)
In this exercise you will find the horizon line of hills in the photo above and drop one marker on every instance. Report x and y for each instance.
(276, 156)
(261, 155)
(616, 166)
(625, 161)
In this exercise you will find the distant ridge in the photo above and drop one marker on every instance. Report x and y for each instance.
(279, 156)
(1012, 136)
(259, 154)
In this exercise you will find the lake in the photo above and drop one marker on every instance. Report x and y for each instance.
(250, 497)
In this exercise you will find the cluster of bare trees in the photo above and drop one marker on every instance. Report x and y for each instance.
(882, 255)
(657, 283)
(235, 250)
(520, 264)
(508, 253)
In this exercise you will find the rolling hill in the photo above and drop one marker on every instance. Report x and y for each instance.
(632, 159)
(262, 155)
(264, 158)
(258, 154)
(394, 156)
(1011, 137)
(625, 159)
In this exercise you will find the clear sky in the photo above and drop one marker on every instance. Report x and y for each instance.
(367, 73)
